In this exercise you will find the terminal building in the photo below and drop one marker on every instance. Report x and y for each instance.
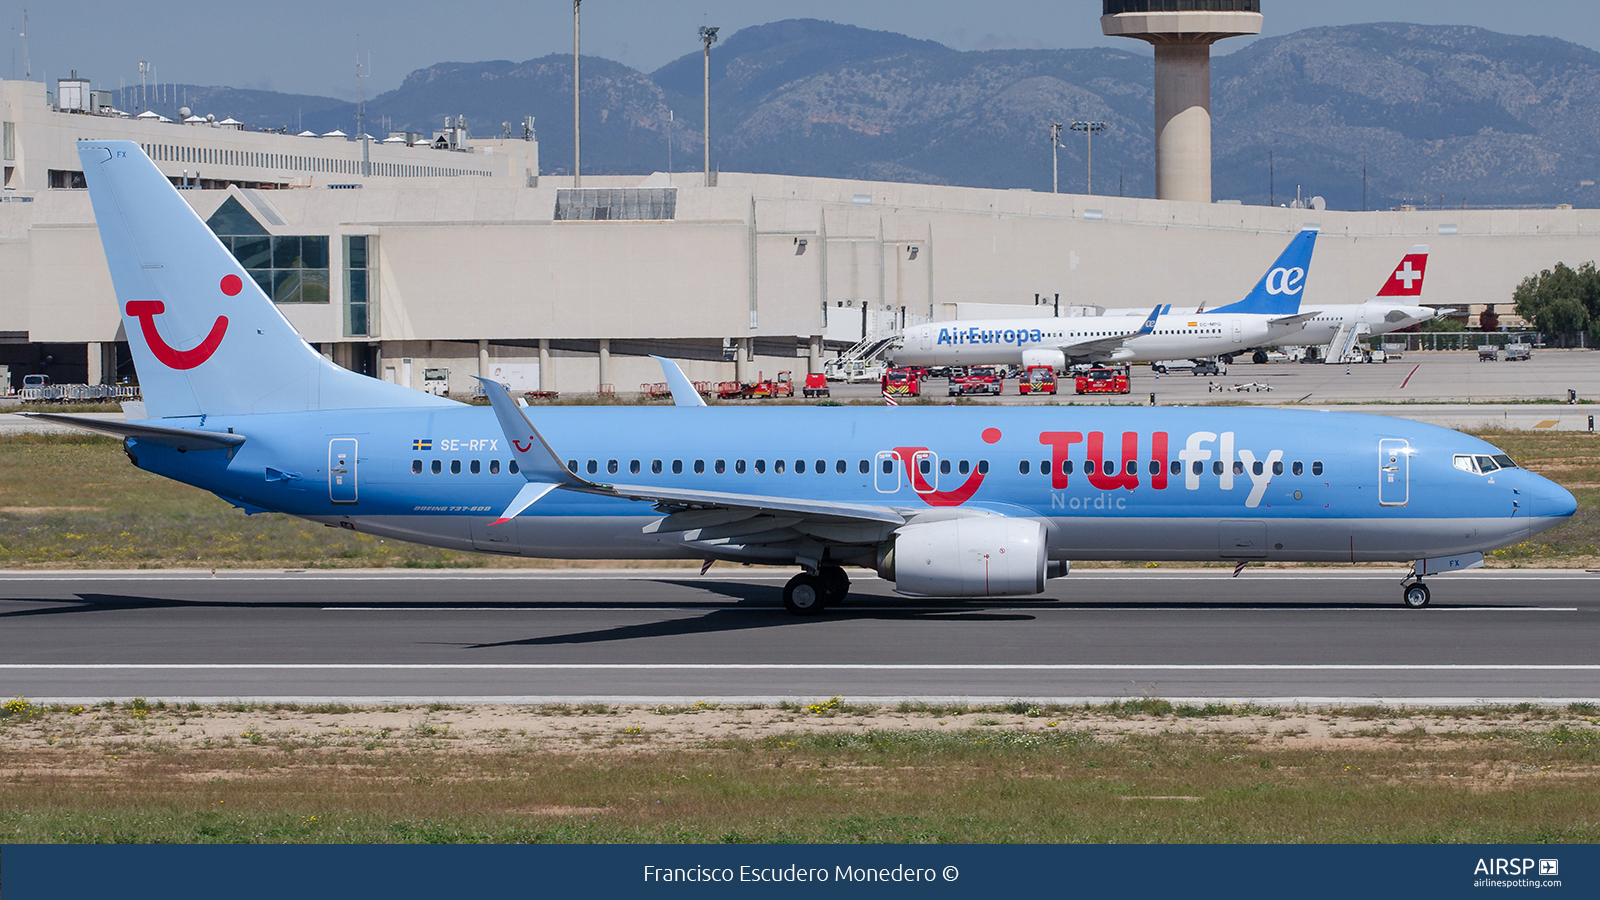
(428, 259)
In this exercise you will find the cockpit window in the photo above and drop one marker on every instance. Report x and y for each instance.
(1483, 465)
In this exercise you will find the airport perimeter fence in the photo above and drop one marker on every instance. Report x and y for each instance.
(74, 393)
(1472, 340)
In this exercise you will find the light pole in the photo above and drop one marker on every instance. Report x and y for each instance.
(577, 177)
(1055, 142)
(709, 36)
(1089, 129)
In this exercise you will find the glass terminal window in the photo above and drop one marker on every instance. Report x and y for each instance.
(288, 268)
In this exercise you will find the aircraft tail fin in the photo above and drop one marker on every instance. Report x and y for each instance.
(1150, 322)
(1406, 281)
(205, 339)
(1279, 291)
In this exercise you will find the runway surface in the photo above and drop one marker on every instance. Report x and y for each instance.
(1314, 635)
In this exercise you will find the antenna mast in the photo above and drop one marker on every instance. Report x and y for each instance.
(27, 64)
(361, 110)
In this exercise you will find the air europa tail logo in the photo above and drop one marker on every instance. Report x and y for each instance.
(171, 357)
(1286, 281)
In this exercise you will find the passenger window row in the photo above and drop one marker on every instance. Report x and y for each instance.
(760, 466)
(1477, 464)
(475, 466)
(1108, 467)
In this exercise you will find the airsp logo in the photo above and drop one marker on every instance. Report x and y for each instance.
(1286, 281)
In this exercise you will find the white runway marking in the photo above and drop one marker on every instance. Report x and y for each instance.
(954, 609)
(854, 667)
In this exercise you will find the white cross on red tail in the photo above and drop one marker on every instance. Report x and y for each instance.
(1406, 280)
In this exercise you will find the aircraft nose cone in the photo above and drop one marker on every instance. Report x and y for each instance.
(1556, 502)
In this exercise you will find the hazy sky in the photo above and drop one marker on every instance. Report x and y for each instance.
(309, 46)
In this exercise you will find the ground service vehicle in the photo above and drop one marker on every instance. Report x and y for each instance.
(901, 383)
(1102, 380)
(816, 385)
(977, 380)
(781, 386)
(1488, 353)
(1037, 380)
(1519, 351)
(979, 501)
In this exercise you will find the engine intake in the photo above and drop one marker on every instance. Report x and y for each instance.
(1039, 356)
(969, 557)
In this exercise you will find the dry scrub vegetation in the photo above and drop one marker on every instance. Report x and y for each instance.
(1142, 771)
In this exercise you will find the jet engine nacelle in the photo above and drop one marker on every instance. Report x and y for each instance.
(969, 557)
(1038, 356)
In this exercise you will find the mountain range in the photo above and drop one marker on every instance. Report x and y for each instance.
(1368, 116)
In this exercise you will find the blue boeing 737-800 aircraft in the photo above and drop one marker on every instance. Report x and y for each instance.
(943, 502)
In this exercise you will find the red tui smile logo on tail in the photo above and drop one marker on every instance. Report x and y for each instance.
(146, 311)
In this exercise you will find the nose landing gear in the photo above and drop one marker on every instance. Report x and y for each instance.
(1414, 594)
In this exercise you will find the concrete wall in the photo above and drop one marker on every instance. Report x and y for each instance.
(468, 259)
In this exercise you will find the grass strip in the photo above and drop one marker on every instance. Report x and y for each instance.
(828, 772)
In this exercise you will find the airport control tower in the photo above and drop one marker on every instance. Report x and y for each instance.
(1182, 32)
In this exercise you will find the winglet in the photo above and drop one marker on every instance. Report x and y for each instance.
(536, 459)
(529, 495)
(683, 392)
(1150, 323)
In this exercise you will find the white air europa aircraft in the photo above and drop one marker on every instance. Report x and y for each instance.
(941, 501)
(1271, 309)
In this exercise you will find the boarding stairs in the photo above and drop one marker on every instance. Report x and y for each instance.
(863, 355)
(1344, 348)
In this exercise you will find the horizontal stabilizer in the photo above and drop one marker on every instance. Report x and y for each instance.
(1288, 321)
(163, 435)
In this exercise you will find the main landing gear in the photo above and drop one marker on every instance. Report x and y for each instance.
(1415, 594)
(808, 595)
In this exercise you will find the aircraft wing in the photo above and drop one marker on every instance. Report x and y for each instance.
(544, 470)
(1105, 346)
(818, 509)
(164, 435)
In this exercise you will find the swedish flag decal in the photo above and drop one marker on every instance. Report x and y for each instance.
(422, 444)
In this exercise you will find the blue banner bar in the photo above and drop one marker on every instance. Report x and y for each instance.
(397, 872)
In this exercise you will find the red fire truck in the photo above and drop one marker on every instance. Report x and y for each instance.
(978, 380)
(902, 383)
(1037, 380)
(1104, 380)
